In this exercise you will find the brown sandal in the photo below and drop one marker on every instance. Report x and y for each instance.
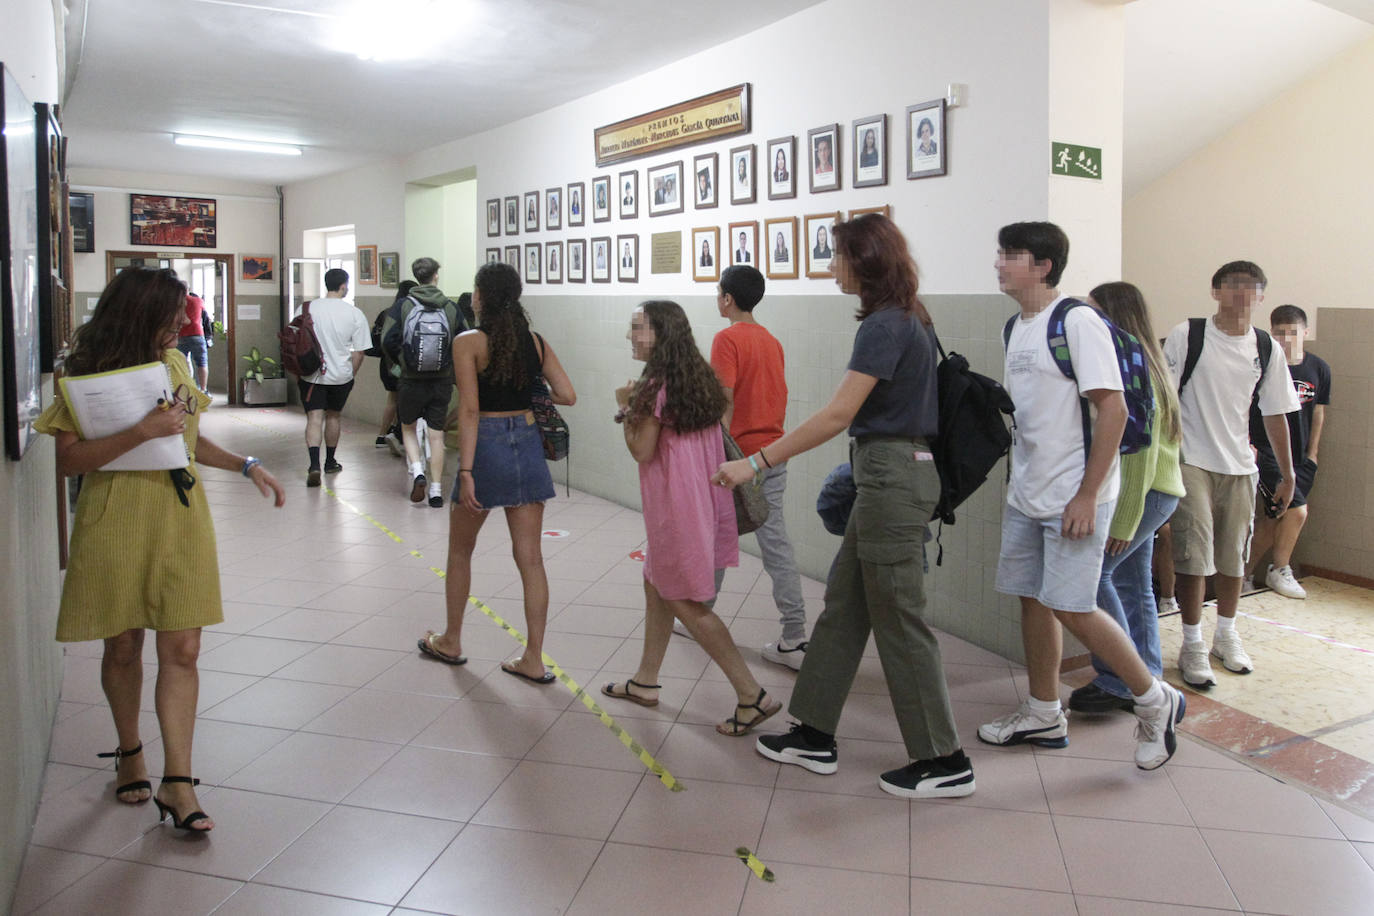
(734, 727)
(610, 691)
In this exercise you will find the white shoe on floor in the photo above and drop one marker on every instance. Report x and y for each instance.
(1154, 730)
(1168, 606)
(1282, 581)
(1025, 727)
(1228, 648)
(785, 652)
(1193, 665)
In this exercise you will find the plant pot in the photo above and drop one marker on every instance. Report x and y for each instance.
(267, 392)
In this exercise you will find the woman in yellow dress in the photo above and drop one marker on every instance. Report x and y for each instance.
(143, 545)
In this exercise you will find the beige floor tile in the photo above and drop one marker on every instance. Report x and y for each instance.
(488, 728)
(561, 799)
(1115, 906)
(596, 621)
(319, 767)
(929, 896)
(46, 873)
(309, 624)
(376, 715)
(224, 748)
(433, 783)
(256, 899)
(1234, 800)
(415, 673)
(359, 599)
(375, 856)
(59, 777)
(241, 616)
(711, 817)
(717, 883)
(837, 831)
(277, 703)
(807, 889)
(141, 889)
(343, 666)
(289, 593)
(951, 844)
(1181, 870)
(1106, 788)
(693, 752)
(1284, 874)
(1354, 826)
(254, 655)
(582, 740)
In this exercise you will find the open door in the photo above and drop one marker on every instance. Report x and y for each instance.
(307, 283)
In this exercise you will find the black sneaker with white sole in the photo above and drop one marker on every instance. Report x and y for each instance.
(947, 777)
(795, 749)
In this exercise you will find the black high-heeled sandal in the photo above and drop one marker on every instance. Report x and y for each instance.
(134, 786)
(188, 822)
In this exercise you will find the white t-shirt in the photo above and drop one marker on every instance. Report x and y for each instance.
(1047, 456)
(1215, 407)
(341, 328)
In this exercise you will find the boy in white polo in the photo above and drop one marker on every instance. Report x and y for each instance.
(1213, 522)
(1060, 500)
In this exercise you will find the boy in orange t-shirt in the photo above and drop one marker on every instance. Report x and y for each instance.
(749, 362)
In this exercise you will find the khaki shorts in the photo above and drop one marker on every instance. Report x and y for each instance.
(1213, 523)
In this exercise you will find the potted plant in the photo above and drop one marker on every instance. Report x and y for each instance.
(263, 382)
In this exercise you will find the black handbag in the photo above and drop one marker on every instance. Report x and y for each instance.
(751, 507)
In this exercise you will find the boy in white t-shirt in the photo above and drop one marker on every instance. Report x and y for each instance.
(1060, 501)
(344, 334)
(1213, 522)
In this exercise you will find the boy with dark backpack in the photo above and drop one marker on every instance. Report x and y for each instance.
(417, 336)
(1061, 497)
(1222, 365)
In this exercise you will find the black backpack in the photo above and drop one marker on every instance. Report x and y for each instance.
(973, 433)
(1197, 333)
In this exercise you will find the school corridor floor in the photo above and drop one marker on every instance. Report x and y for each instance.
(349, 775)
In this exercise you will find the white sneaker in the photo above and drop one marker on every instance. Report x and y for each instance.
(1228, 648)
(1193, 665)
(1281, 580)
(783, 652)
(1154, 729)
(1026, 727)
(1168, 606)
(397, 447)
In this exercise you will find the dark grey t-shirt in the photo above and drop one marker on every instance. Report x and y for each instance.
(895, 348)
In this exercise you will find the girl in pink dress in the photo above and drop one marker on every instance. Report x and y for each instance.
(672, 428)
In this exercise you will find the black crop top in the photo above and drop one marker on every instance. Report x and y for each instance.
(501, 396)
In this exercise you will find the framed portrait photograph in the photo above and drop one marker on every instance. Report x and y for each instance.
(553, 262)
(743, 241)
(780, 248)
(389, 269)
(627, 258)
(493, 217)
(706, 254)
(534, 260)
(366, 265)
(513, 256)
(820, 228)
(81, 207)
(870, 151)
(183, 222)
(601, 198)
(255, 266)
(601, 260)
(627, 190)
(743, 188)
(532, 211)
(553, 208)
(512, 216)
(704, 192)
(493, 255)
(664, 186)
(885, 210)
(577, 203)
(782, 168)
(823, 158)
(577, 260)
(925, 139)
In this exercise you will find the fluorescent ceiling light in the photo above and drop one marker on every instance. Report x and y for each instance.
(241, 146)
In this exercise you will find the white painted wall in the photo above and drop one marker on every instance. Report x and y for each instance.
(460, 248)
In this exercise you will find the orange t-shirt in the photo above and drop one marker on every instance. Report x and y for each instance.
(748, 360)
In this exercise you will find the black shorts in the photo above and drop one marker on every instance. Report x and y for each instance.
(1306, 474)
(389, 381)
(315, 396)
(428, 398)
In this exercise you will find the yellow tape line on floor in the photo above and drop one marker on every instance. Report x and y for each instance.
(564, 678)
(755, 866)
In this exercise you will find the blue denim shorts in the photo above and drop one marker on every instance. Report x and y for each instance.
(195, 350)
(1038, 562)
(508, 468)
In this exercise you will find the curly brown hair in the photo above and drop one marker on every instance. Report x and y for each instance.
(694, 399)
(130, 322)
(505, 323)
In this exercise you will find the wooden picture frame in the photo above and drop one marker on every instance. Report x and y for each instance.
(493, 256)
(782, 167)
(663, 185)
(531, 212)
(926, 154)
(819, 230)
(493, 217)
(744, 188)
(159, 221)
(869, 142)
(253, 267)
(534, 262)
(366, 265)
(577, 260)
(512, 256)
(885, 210)
(780, 248)
(389, 269)
(577, 204)
(553, 208)
(706, 181)
(512, 213)
(748, 255)
(627, 258)
(21, 310)
(823, 159)
(627, 192)
(553, 262)
(601, 199)
(81, 215)
(705, 254)
(601, 257)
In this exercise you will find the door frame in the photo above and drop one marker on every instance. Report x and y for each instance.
(227, 263)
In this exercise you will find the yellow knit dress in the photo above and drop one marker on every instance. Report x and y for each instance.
(139, 558)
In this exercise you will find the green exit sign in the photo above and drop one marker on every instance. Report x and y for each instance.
(1077, 161)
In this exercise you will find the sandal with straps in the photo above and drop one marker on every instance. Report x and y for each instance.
(734, 727)
(181, 823)
(610, 691)
(134, 786)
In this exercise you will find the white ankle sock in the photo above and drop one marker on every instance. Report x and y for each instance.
(1045, 709)
(1192, 632)
(416, 469)
(1152, 697)
(1225, 625)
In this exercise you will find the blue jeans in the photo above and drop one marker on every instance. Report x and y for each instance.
(1125, 591)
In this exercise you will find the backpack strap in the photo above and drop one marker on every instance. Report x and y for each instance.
(1057, 338)
(1197, 333)
(1006, 332)
(1265, 345)
(539, 347)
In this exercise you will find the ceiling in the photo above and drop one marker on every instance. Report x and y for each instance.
(289, 70)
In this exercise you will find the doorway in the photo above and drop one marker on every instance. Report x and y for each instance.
(210, 276)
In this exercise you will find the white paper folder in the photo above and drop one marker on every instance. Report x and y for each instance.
(106, 403)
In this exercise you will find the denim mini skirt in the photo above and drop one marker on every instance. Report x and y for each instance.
(508, 468)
